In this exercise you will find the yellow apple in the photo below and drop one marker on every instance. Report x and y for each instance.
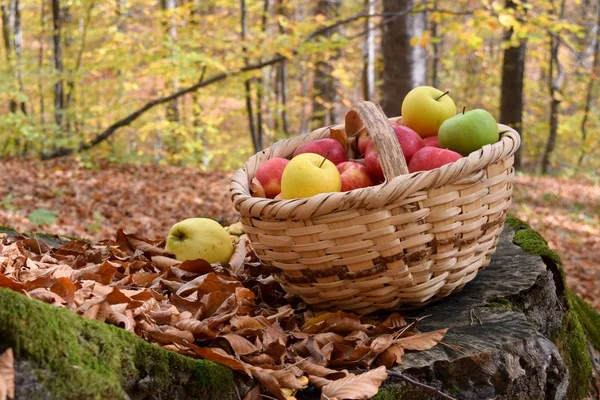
(204, 238)
(308, 174)
(425, 108)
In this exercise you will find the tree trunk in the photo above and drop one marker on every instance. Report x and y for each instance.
(170, 26)
(324, 85)
(435, 63)
(59, 100)
(554, 86)
(511, 98)
(369, 53)
(18, 44)
(404, 66)
(590, 87)
(281, 79)
(42, 39)
(256, 139)
(8, 18)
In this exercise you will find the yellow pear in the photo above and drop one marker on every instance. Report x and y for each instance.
(204, 238)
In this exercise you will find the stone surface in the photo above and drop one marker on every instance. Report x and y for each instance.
(498, 344)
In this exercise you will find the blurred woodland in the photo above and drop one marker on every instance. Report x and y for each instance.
(178, 86)
(206, 83)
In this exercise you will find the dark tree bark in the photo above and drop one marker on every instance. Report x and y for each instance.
(555, 81)
(18, 42)
(13, 46)
(59, 98)
(324, 84)
(435, 62)
(404, 66)
(256, 139)
(511, 97)
(369, 53)
(42, 39)
(591, 86)
(171, 31)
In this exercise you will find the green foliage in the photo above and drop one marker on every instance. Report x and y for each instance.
(41, 216)
(119, 55)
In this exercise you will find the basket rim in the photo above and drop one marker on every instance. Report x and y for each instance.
(371, 197)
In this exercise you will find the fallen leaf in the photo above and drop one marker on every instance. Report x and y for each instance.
(240, 345)
(7, 374)
(257, 189)
(421, 341)
(390, 357)
(340, 136)
(221, 357)
(361, 386)
(353, 124)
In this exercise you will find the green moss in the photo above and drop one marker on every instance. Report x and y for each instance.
(76, 358)
(394, 392)
(588, 317)
(579, 321)
(6, 229)
(571, 343)
(501, 302)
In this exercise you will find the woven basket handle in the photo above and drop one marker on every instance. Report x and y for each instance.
(390, 153)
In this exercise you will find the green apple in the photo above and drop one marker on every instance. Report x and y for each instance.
(468, 131)
(308, 174)
(425, 108)
(195, 238)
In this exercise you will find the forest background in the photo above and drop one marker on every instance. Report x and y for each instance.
(140, 93)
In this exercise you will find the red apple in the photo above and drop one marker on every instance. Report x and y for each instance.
(409, 140)
(432, 157)
(363, 141)
(431, 141)
(372, 163)
(354, 175)
(336, 151)
(269, 175)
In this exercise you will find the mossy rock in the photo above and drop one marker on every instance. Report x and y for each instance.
(60, 355)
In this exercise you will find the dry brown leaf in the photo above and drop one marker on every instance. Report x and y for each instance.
(200, 329)
(46, 296)
(318, 381)
(390, 357)
(353, 124)
(340, 136)
(361, 386)
(221, 357)
(144, 246)
(7, 373)
(257, 189)
(287, 379)
(253, 394)
(66, 289)
(269, 382)
(421, 341)
(338, 322)
(209, 283)
(313, 369)
(164, 262)
(238, 258)
(240, 345)
(392, 323)
(8, 283)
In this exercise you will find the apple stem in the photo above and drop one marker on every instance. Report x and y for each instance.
(324, 158)
(442, 95)
(464, 108)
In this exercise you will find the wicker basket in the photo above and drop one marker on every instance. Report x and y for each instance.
(413, 239)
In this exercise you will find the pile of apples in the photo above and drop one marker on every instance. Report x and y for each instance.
(432, 134)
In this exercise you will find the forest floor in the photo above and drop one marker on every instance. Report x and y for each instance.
(64, 198)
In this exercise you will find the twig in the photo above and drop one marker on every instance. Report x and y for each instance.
(410, 380)
(472, 312)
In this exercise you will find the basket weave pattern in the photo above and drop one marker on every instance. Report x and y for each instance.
(411, 240)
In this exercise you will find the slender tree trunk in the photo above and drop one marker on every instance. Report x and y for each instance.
(435, 63)
(7, 33)
(170, 26)
(324, 84)
(511, 97)
(42, 40)
(18, 45)
(404, 66)
(256, 139)
(59, 100)
(281, 81)
(590, 87)
(554, 86)
(260, 84)
(369, 53)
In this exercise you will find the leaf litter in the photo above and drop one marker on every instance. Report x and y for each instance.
(235, 315)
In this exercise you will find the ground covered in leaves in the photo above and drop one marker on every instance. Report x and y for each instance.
(235, 314)
(63, 197)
